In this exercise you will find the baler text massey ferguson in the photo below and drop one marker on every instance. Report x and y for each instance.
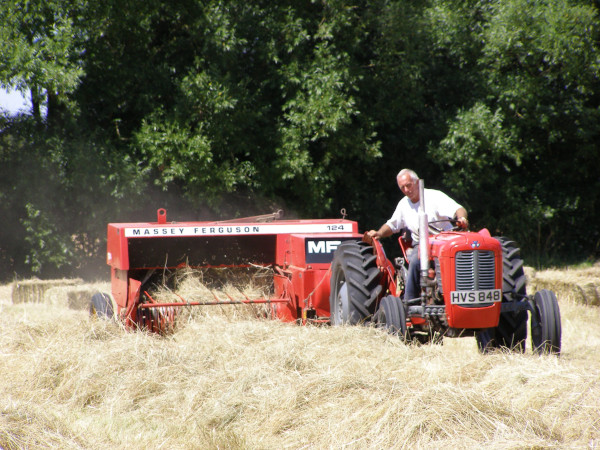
(325, 271)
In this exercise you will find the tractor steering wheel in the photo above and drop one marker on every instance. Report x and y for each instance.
(457, 225)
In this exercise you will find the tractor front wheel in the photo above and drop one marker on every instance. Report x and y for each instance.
(391, 316)
(511, 331)
(354, 282)
(545, 323)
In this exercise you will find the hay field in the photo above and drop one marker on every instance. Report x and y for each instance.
(228, 381)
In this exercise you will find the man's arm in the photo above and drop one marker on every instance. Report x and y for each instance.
(383, 232)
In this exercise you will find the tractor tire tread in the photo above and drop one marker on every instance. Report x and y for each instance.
(354, 265)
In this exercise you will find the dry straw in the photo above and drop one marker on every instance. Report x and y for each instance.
(226, 381)
(216, 286)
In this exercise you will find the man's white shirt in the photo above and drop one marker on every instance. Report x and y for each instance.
(438, 206)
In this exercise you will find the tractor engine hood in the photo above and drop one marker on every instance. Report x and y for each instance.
(447, 244)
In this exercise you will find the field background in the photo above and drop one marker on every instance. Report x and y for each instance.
(226, 380)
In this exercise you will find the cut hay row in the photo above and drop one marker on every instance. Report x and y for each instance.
(182, 285)
(241, 284)
(229, 380)
(217, 382)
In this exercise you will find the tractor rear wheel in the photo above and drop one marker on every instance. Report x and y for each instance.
(545, 323)
(511, 331)
(101, 305)
(391, 316)
(354, 283)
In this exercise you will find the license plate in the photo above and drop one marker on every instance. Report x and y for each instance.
(475, 297)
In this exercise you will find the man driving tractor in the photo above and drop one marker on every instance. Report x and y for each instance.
(437, 207)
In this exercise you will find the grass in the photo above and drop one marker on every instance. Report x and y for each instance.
(231, 381)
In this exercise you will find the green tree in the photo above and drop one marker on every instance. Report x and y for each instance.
(529, 146)
(41, 49)
(223, 108)
(58, 172)
(267, 106)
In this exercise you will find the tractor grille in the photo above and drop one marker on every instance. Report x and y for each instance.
(475, 270)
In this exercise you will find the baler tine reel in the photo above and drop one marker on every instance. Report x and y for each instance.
(218, 301)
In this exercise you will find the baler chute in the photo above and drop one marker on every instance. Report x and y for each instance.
(298, 251)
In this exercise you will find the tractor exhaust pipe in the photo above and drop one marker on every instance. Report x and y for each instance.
(423, 236)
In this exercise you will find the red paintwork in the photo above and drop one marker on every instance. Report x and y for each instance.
(386, 268)
(294, 248)
(444, 247)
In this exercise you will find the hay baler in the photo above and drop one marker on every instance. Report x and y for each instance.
(298, 251)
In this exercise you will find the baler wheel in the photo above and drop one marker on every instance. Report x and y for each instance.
(511, 331)
(545, 326)
(354, 282)
(101, 305)
(391, 316)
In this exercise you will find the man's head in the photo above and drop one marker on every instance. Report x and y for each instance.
(408, 182)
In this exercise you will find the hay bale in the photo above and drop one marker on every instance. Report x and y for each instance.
(79, 297)
(74, 297)
(56, 296)
(577, 285)
(33, 291)
(529, 273)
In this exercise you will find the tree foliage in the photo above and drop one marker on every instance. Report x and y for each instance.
(224, 108)
(525, 143)
(41, 43)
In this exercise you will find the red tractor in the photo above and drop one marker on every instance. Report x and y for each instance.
(471, 284)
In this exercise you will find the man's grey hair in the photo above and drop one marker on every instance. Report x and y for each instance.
(410, 172)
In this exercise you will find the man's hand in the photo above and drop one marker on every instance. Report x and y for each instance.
(462, 222)
(373, 234)
(383, 232)
(369, 236)
(461, 218)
